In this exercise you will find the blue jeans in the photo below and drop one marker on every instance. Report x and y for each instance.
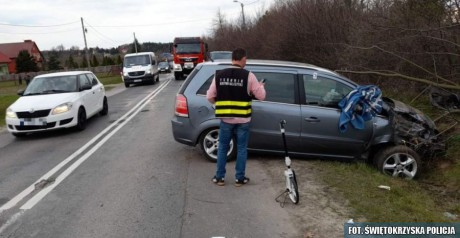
(241, 133)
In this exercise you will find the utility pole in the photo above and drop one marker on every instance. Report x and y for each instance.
(86, 46)
(135, 41)
(242, 12)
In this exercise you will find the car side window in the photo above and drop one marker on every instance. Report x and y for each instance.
(92, 79)
(278, 86)
(84, 80)
(204, 88)
(324, 91)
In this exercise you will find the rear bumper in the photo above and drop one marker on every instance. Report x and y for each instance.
(181, 131)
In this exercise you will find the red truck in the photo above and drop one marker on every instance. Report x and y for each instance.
(188, 52)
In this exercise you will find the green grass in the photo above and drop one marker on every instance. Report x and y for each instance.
(406, 201)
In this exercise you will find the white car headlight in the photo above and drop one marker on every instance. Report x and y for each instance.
(125, 73)
(149, 71)
(10, 114)
(62, 108)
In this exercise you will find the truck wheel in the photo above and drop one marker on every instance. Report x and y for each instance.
(127, 85)
(178, 76)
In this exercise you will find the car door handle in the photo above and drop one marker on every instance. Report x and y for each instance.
(312, 119)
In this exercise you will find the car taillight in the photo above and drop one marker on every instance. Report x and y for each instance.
(181, 106)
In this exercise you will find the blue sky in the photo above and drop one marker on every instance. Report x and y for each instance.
(111, 23)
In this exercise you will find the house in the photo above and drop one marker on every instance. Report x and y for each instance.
(4, 61)
(11, 51)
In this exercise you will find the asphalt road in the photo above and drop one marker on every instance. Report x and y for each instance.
(125, 176)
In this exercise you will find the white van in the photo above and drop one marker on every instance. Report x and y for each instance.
(140, 68)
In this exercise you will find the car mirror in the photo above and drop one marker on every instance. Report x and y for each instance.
(85, 87)
(21, 92)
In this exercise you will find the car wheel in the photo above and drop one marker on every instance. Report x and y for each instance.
(127, 85)
(105, 108)
(398, 161)
(209, 142)
(158, 78)
(81, 120)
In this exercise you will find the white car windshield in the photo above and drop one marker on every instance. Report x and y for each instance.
(50, 85)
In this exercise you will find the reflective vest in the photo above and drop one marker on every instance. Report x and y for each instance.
(232, 98)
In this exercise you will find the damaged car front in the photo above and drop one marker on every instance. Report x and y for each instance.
(414, 139)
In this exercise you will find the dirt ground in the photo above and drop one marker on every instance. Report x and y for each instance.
(321, 212)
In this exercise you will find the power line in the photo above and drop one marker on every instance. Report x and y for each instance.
(40, 33)
(106, 37)
(159, 24)
(18, 25)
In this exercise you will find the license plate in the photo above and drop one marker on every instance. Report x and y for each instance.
(188, 65)
(138, 80)
(33, 121)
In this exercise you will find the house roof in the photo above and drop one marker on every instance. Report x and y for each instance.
(4, 58)
(12, 49)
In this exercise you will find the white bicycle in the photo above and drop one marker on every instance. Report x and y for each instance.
(292, 190)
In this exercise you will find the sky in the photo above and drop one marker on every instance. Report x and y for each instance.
(111, 23)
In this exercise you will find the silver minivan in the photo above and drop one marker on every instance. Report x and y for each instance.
(300, 94)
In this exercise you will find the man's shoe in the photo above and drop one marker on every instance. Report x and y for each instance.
(218, 181)
(240, 182)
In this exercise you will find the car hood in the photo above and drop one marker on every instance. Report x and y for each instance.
(410, 113)
(40, 102)
(413, 128)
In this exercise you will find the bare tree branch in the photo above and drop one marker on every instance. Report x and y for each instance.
(425, 81)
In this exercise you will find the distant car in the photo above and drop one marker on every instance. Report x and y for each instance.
(163, 67)
(307, 97)
(57, 100)
(220, 55)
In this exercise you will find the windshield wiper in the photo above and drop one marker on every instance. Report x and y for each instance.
(54, 91)
(30, 94)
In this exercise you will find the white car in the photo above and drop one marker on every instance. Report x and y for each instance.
(57, 100)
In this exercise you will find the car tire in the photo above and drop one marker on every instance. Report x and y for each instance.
(158, 78)
(209, 141)
(105, 107)
(81, 120)
(398, 161)
(127, 85)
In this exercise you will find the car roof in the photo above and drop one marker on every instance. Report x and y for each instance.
(67, 73)
(277, 63)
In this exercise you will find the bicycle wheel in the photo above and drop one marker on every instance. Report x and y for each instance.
(293, 189)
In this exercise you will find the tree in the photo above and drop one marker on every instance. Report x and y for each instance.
(119, 60)
(71, 63)
(84, 63)
(25, 62)
(94, 62)
(53, 62)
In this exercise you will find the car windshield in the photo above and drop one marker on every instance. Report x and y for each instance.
(163, 64)
(51, 85)
(188, 48)
(136, 60)
(221, 55)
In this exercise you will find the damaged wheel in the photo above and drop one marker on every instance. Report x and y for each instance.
(398, 161)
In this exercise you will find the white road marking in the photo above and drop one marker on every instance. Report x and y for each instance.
(14, 201)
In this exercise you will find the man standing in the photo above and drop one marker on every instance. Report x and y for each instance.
(231, 90)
